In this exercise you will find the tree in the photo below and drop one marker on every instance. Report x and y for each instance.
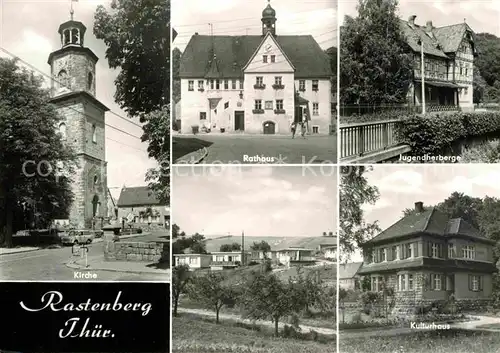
(332, 55)
(309, 290)
(35, 163)
(261, 246)
(180, 278)
(175, 231)
(489, 222)
(176, 63)
(488, 59)
(479, 86)
(137, 36)
(267, 297)
(342, 297)
(375, 67)
(230, 247)
(211, 291)
(354, 193)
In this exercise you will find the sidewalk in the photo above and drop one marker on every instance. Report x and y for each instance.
(20, 249)
(97, 263)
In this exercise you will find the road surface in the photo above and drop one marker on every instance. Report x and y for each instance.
(49, 264)
(236, 149)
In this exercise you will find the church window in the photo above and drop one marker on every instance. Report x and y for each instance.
(62, 79)
(90, 81)
(62, 131)
(66, 37)
(95, 182)
(94, 134)
(75, 36)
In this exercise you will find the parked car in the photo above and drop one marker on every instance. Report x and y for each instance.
(78, 237)
(98, 233)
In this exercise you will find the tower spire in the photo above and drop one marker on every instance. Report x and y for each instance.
(71, 11)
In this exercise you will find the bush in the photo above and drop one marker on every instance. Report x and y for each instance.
(432, 133)
(380, 116)
(488, 152)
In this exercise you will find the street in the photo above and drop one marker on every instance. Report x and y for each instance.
(232, 149)
(50, 264)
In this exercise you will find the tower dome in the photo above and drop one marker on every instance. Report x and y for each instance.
(268, 12)
(268, 20)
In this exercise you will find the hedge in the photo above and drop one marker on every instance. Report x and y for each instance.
(431, 133)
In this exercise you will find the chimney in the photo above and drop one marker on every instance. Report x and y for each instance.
(419, 207)
(411, 20)
(428, 26)
(195, 33)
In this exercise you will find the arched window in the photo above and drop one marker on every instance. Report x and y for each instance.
(66, 36)
(94, 134)
(75, 36)
(62, 131)
(90, 81)
(62, 78)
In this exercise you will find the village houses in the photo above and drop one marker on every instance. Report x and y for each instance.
(255, 83)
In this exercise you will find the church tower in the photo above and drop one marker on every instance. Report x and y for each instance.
(73, 91)
(269, 20)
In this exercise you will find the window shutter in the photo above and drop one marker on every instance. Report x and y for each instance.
(480, 280)
(429, 249)
(415, 249)
(443, 282)
(432, 281)
(470, 283)
(403, 251)
(388, 254)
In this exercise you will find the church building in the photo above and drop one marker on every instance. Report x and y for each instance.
(256, 84)
(73, 92)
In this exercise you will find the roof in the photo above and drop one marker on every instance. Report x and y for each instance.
(349, 270)
(72, 49)
(232, 53)
(191, 255)
(229, 252)
(446, 39)
(137, 196)
(74, 94)
(430, 221)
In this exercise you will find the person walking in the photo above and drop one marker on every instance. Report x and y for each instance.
(293, 127)
(303, 129)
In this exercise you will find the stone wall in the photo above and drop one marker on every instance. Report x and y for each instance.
(136, 251)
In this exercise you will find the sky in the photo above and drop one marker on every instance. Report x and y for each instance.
(401, 186)
(29, 31)
(480, 15)
(260, 200)
(240, 17)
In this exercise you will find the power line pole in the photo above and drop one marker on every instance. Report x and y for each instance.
(243, 262)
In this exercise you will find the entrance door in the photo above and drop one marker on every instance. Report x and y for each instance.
(269, 128)
(239, 121)
(298, 114)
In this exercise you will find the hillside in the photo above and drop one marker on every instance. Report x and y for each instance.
(276, 243)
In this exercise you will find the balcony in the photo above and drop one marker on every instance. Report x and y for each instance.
(279, 111)
(280, 86)
(259, 86)
(201, 89)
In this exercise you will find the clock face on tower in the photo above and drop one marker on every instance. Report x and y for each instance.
(268, 48)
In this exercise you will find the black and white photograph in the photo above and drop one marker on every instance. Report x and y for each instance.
(418, 259)
(255, 259)
(84, 140)
(419, 81)
(254, 82)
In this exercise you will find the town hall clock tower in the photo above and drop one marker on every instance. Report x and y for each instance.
(73, 92)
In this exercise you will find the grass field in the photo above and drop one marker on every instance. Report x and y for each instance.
(445, 341)
(192, 335)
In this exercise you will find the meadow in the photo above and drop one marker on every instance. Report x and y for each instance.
(445, 341)
(194, 335)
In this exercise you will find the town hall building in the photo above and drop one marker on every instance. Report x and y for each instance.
(73, 92)
(257, 84)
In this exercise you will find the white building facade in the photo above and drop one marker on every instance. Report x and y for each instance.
(255, 84)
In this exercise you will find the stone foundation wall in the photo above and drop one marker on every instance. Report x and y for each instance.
(136, 251)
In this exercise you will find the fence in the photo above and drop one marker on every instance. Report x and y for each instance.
(361, 138)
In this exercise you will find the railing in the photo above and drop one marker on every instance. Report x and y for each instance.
(225, 263)
(362, 109)
(442, 108)
(361, 138)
